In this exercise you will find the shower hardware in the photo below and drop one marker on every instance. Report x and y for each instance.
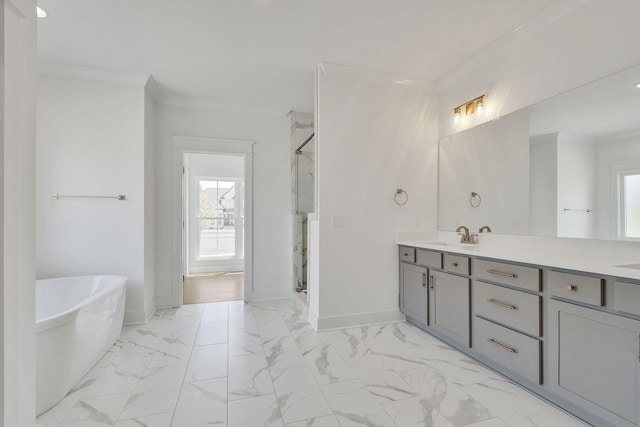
(306, 141)
(56, 196)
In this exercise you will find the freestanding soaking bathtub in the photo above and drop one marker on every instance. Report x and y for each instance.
(77, 320)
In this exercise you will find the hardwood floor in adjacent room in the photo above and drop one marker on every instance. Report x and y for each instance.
(213, 287)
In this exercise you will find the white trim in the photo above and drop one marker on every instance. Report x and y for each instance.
(202, 145)
(59, 69)
(137, 317)
(186, 102)
(358, 319)
(616, 171)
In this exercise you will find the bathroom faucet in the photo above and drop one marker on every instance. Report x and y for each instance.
(466, 237)
(485, 228)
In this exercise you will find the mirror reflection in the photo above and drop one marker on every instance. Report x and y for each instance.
(568, 166)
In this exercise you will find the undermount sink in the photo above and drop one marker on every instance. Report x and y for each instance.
(633, 266)
(464, 246)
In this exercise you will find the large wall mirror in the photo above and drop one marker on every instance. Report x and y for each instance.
(568, 166)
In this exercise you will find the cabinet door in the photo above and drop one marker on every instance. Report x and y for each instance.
(594, 361)
(413, 292)
(449, 305)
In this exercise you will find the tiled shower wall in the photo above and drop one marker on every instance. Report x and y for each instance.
(302, 188)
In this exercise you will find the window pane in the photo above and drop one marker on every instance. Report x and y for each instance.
(216, 219)
(632, 205)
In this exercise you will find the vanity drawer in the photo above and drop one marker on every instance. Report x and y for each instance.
(429, 258)
(626, 297)
(407, 254)
(586, 289)
(456, 264)
(508, 274)
(513, 350)
(515, 309)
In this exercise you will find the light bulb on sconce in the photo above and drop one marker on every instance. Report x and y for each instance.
(456, 114)
(480, 104)
(41, 13)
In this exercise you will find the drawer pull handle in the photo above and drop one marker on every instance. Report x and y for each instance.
(572, 288)
(502, 304)
(406, 254)
(454, 264)
(502, 273)
(431, 285)
(502, 346)
(424, 280)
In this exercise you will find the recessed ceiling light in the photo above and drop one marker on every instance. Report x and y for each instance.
(638, 85)
(40, 12)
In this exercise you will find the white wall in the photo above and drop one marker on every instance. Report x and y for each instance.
(272, 228)
(91, 141)
(572, 43)
(17, 188)
(576, 186)
(373, 136)
(543, 205)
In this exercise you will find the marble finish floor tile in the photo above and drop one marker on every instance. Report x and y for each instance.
(353, 405)
(328, 421)
(249, 377)
(207, 362)
(158, 420)
(299, 396)
(262, 364)
(202, 404)
(95, 411)
(254, 412)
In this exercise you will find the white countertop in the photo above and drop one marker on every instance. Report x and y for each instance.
(570, 260)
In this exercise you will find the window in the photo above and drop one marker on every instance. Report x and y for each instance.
(217, 217)
(629, 197)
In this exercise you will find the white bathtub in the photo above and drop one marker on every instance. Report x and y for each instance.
(77, 320)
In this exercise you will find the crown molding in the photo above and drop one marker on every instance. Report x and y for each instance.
(187, 102)
(68, 70)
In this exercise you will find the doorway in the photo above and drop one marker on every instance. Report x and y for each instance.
(213, 212)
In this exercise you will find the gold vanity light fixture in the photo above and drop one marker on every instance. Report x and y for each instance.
(470, 107)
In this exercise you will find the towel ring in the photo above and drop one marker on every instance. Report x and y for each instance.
(475, 199)
(399, 198)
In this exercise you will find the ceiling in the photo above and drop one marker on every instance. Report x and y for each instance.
(263, 52)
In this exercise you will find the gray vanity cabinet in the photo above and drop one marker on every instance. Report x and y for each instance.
(413, 292)
(449, 306)
(595, 361)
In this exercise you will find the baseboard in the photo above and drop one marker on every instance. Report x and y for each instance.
(135, 317)
(263, 296)
(358, 319)
(165, 303)
(313, 319)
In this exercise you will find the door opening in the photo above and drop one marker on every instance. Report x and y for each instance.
(213, 210)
